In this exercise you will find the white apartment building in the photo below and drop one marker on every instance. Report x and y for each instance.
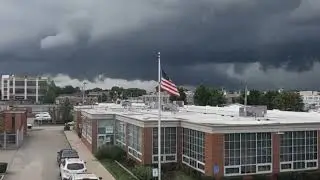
(23, 87)
(310, 98)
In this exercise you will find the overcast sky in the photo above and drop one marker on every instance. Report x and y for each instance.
(268, 44)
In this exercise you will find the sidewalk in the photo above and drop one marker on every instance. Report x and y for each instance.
(93, 165)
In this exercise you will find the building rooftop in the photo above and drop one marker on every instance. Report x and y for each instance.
(205, 115)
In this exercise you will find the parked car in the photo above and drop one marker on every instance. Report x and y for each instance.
(84, 176)
(29, 126)
(66, 153)
(71, 166)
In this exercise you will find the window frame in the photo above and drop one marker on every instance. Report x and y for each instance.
(257, 165)
(164, 156)
(185, 158)
(292, 161)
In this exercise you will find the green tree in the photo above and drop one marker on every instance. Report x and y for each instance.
(208, 96)
(182, 97)
(51, 94)
(104, 97)
(217, 97)
(202, 95)
(66, 109)
(254, 97)
(269, 99)
(289, 101)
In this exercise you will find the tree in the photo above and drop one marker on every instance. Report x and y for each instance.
(51, 94)
(66, 108)
(289, 101)
(182, 97)
(255, 97)
(208, 96)
(104, 97)
(217, 98)
(202, 96)
(269, 99)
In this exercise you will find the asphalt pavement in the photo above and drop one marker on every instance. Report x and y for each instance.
(36, 159)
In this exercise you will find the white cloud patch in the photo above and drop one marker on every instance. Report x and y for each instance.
(103, 82)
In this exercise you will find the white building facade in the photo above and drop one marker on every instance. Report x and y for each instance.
(23, 87)
(310, 98)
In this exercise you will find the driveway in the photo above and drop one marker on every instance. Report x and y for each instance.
(36, 159)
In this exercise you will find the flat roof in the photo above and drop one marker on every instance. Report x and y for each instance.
(204, 115)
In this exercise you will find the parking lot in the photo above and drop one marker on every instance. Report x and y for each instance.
(36, 159)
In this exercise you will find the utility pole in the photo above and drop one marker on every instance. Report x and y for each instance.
(83, 91)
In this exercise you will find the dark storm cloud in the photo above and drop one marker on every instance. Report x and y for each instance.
(188, 33)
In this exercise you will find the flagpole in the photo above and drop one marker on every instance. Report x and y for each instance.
(245, 99)
(159, 118)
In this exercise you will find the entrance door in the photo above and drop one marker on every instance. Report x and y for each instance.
(101, 139)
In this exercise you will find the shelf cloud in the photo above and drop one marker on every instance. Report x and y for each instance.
(199, 40)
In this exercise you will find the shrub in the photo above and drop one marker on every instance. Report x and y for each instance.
(128, 162)
(233, 178)
(143, 172)
(285, 176)
(313, 175)
(260, 177)
(168, 167)
(110, 152)
(207, 178)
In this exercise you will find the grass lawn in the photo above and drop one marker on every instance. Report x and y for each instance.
(117, 172)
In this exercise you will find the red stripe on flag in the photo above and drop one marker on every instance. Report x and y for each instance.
(169, 87)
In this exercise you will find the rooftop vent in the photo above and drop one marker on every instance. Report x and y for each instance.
(253, 111)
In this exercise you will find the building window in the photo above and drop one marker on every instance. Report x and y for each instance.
(134, 141)
(298, 150)
(120, 134)
(87, 130)
(193, 149)
(247, 153)
(168, 144)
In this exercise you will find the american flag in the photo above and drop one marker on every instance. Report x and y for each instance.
(167, 85)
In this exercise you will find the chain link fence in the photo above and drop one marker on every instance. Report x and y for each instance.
(11, 140)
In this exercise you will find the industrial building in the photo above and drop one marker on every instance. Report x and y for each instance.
(216, 141)
(28, 88)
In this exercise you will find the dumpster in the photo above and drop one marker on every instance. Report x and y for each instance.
(3, 169)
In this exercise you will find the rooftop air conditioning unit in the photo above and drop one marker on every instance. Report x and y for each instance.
(253, 111)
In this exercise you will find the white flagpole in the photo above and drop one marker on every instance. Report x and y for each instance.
(159, 118)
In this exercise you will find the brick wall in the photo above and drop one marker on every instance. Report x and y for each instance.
(94, 136)
(214, 153)
(20, 121)
(147, 145)
(275, 153)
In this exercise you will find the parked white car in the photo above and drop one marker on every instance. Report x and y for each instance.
(68, 167)
(41, 117)
(84, 176)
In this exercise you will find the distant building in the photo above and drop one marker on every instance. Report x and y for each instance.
(311, 99)
(232, 97)
(100, 94)
(31, 88)
(152, 98)
(190, 97)
(76, 100)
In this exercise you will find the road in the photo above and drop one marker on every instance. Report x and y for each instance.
(36, 159)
